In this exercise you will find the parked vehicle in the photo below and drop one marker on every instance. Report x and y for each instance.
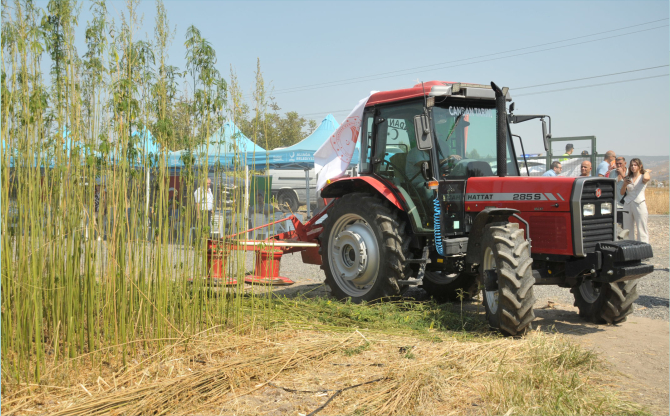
(289, 188)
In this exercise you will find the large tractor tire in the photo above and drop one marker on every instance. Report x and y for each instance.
(363, 248)
(507, 275)
(446, 288)
(605, 303)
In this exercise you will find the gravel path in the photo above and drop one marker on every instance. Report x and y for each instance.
(653, 289)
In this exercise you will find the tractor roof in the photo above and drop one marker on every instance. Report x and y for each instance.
(434, 88)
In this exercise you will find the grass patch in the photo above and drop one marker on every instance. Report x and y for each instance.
(356, 350)
(403, 316)
(555, 377)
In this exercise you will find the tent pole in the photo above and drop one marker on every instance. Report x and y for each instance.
(307, 194)
(245, 214)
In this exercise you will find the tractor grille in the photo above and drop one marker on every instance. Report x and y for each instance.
(589, 192)
(598, 227)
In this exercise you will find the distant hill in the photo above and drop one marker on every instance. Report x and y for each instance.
(659, 165)
(652, 162)
(649, 160)
(660, 172)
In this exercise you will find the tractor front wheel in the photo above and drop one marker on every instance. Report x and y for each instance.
(506, 273)
(605, 303)
(363, 248)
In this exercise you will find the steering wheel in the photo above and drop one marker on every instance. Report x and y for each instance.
(447, 164)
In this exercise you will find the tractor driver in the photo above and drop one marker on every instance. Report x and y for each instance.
(451, 139)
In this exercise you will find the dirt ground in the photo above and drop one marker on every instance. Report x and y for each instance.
(637, 350)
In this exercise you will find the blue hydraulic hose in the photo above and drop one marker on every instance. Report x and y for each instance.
(437, 228)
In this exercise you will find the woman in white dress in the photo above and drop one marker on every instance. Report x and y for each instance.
(634, 201)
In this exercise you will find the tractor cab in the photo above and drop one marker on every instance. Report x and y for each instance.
(461, 135)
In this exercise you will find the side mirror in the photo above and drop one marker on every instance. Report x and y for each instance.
(545, 136)
(511, 108)
(422, 131)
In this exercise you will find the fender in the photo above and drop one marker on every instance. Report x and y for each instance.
(343, 186)
(487, 216)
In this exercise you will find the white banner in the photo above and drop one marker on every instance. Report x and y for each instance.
(333, 157)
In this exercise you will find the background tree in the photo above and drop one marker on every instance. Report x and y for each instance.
(209, 87)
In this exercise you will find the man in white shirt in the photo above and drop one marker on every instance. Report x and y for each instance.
(205, 199)
(605, 166)
(556, 168)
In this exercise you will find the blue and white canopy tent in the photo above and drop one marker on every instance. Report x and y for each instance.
(45, 154)
(300, 156)
(228, 147)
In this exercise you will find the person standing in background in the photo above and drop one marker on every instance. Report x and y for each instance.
(569, 148)
(556, 168)
(635, 206)
(620, 168)
(205, 199)
(585, 168)
(619, 174)
(607, 165)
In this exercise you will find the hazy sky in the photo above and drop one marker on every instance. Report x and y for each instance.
(339, 51)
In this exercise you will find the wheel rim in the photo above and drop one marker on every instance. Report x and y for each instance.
(489, 263)
(589, 292)
(354, 255)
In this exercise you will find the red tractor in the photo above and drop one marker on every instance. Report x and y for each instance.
(439, 203)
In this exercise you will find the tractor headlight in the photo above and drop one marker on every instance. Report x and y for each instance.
(589, 210)
(606, 208)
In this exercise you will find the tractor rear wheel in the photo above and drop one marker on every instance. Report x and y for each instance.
(363, 248)
(451, 287)
(605, 303)
(507, 275)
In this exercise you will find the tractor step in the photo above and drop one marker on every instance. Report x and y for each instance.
(422, 269)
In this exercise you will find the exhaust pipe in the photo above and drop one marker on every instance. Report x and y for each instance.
(501, 129)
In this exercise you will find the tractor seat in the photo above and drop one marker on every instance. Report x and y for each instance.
(471, 169)
(477, 168)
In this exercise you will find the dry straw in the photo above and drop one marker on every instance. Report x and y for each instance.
(290, 372)
(658, 200)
